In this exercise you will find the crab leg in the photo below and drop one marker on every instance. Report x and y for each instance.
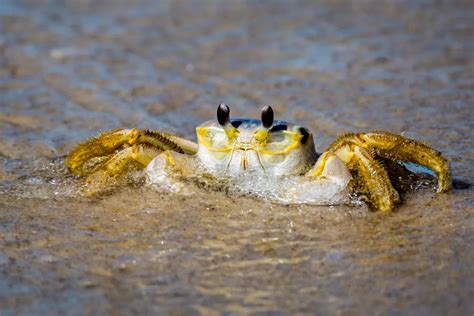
(85, 157)
(360, 152)
(166, 141)
(371, 178)
(103, 145)
(118, 165)
(399, 148)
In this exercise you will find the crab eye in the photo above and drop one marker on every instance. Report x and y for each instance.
(304, 133)
(267, 116)
(223, 114)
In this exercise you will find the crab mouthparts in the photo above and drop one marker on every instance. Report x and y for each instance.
(244, 162)
(244, 150)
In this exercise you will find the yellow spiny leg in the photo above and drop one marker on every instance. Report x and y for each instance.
(370, 177)
(83, 159)
(87, 157)
(328, 166)
(118, 165)
(109, 156)
(167, 141)
(401, 149)
(317, 170)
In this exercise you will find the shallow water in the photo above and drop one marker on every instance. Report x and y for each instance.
(72, 68)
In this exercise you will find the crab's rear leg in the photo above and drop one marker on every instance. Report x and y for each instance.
(360, 151)
(369, 175)
(86, 157)
(118, 165)
(402, 149)
(104, 159)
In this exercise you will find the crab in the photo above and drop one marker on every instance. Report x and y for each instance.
(265, 158)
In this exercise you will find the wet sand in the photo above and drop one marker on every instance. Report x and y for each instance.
(70, 69)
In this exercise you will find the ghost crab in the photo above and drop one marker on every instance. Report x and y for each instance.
(263, 157)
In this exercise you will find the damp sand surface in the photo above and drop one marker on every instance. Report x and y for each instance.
(69, 69)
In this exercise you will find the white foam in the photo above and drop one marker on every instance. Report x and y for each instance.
(332, 188)
(292, 189)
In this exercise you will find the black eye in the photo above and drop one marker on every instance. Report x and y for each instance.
(267, 116)
(303, 131)
(223, 114)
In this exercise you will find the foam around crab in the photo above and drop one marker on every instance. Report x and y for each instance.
(266, 158)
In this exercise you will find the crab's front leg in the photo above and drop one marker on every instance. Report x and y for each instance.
(103, 159)
(400, 149)
(369, 175)
(360, 152)
(117, 165)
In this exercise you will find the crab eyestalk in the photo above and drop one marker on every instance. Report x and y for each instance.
(267, 116)
(223, 114)
(223, 118)
(267, 121)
